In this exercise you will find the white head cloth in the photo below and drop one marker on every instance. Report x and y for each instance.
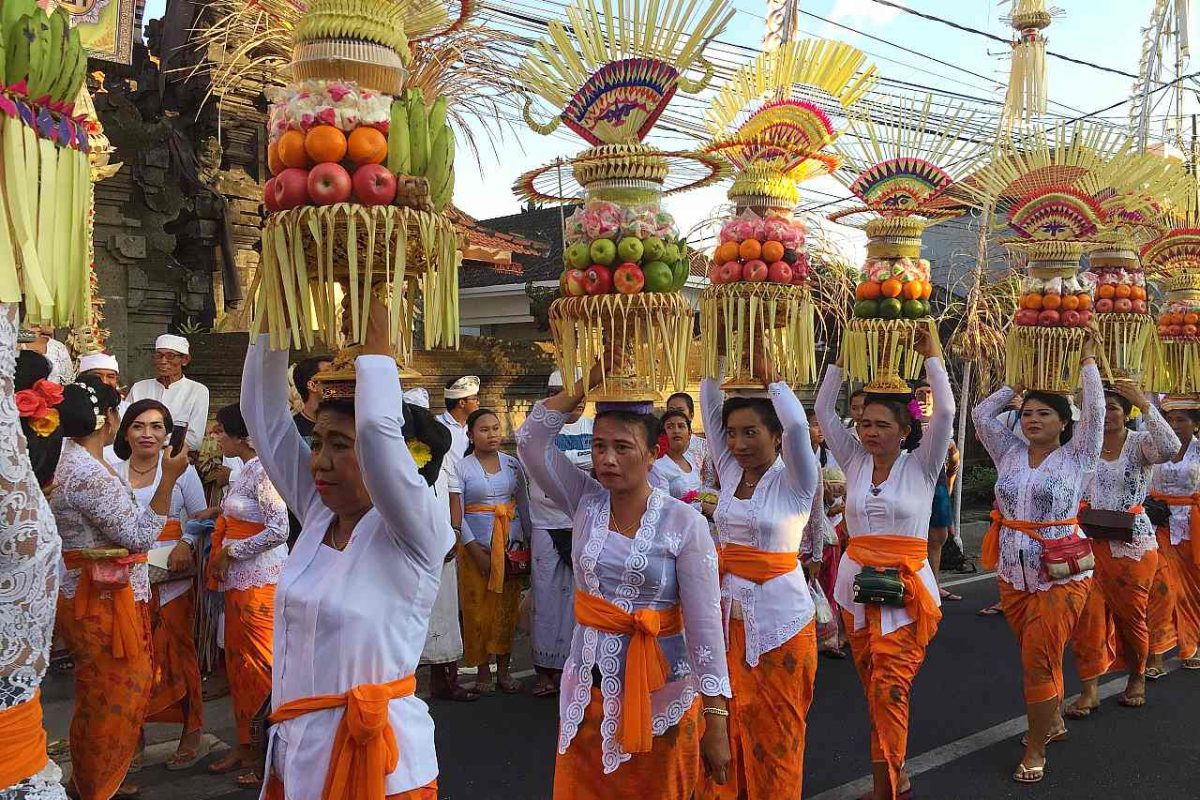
(464, 387)
(169, 341)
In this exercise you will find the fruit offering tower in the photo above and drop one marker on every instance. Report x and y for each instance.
(609, 75)
(768, 122)
(362, 171)
(1174, 260)
(45, 191)
(900, 165)
(1048, 191)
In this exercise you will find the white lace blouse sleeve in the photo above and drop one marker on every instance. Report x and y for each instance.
(411, 509)
(844, 446)
(275, 521)
(1159, 443)
(700, 599)
(940, 430)
(712, 404)
(993, 433)
(1088, 436)
(549, 468)
(280, 447)
(105, 501)
(799, 459)
(815, 529)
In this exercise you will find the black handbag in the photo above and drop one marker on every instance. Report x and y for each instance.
(1158, 511)
(879, 587)
(1112, 526)
(561, 537)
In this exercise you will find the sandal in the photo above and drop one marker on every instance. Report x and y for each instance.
(950, 597)
(126, 791)
(510, 686)
(186, 759)
(249, 780)
(458, 694)
(545, 690)
(484, 689)
(991, 611)
(1155, 673)
(1131, 700)
(224, 766)
(1026, 774)
(1059, 736)
(1190, 663)
(1080, 712)
(837, 653)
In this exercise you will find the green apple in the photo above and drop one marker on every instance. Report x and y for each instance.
(578, 256)
(672, 253)
(658, 276)
(603, 252)
(629, 249)
(655, 248)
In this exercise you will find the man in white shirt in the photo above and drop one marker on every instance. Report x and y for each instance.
(443, 643)
(105, 369)
(185, 398)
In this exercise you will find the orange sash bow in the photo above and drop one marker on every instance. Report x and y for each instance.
(364, 750)
(228, 528)
(126, 635)
(645, 665)
(171, 532)
(504, 514)
(907, 554)
(753, 564)
(22, 741)
(1192, 500)
(991, 540)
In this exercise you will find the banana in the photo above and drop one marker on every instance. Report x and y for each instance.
(438, 167)
(80, 73)
(418, 132)
(17, 57)
(437, 114)
(11, 12)
(64, 58)
(399, 155)
(40, 66)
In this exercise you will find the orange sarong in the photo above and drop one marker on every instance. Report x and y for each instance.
(22, 741)
(753, 564)
(227, 529)
(177, 694)
(111, 693)
(249, 620)
(364, 750)
(1192, 500)
(502, 516)
(488, 619)
(907, 554)
(670, 770)
(126, 636)
(1112, 626)
(645, 665)
(1183, 615)
(1043, 623)
(1163, 594)
(767, 718)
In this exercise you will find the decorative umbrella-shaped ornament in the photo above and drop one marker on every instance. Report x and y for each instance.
(610, 73)
(362, 171)
(1047, 189)
(900, 166)
(769, 123)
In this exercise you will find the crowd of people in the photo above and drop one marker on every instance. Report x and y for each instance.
(677, 588)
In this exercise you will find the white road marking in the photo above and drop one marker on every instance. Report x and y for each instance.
(983, 576)
(940, 756)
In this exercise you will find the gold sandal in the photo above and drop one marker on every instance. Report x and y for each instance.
(1026, 774)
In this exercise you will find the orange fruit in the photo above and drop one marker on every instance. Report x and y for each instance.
(1124, 290)
(867, 290)
(274, 162)
(772, 251)
(913, 289)
(1085, 301)
(1052, 301)
(1070, 302)
(891, 288)
(1032, 301)
(367, 146)
(291, 150)
(750, 249)
(1191, 319)
(324, 144)
(726, 252)
(1139, 293)
(1105, 290)
(926, 290)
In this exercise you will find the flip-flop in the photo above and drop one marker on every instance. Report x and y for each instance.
(216, 768)
(950, 597)
(1155, 673)
(1131, 701)
(125, 792)
(990, 611)
(1060, 736)
(510, 686)
(1076, 712)
(1189, 663)
(189, 758)
(1026, 774)
(545, 691)
(484, 689)
(248, 780)
(836, 654)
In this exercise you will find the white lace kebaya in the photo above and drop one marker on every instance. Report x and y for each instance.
(775, 518)
(1181, 479)
(1051, 491)
(1121, 484)
(259, 559)
(670, 561)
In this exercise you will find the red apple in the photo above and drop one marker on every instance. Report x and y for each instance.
(1123, 305)
(629, 279)
(1174, 330)
(1085, 316)
(599, 279)
(269, 196)
(291, 188)
(1070, 318)
(574, 283)
(1104, 306)
(374, 185)
(754, 270)
(329, 183)
(780, 272)
(731, 272)
(1190, 330)
(1026, 317)
(714, 272)
(1048, 318)
(1139, 307)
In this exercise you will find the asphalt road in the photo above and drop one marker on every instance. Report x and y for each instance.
(967, 716)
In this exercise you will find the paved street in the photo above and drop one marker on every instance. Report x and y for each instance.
(966, 722)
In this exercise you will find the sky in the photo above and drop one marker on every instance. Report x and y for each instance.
(1108, 32)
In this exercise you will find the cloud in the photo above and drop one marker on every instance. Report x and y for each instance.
(863, 11)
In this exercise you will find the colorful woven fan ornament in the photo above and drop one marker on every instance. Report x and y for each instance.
(773, 122)
(610, 73)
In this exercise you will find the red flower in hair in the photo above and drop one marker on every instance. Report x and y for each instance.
(30, 403)
(51, 391)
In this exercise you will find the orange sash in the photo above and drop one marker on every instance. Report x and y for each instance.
(504, 514)
(171, 532)
(364, 749)
(22, 741)
(907, 554)
(126, 632)
(753, 564)
(991, 540)
(1192, 500)
(645, 666)
(228, 528)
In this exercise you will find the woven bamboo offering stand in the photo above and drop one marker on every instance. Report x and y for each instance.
(608, 79)
(1174, 259)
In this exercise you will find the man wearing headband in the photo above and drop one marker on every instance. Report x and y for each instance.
(103, 367)
(185, 398)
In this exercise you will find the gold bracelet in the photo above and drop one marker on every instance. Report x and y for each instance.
(713, 710)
